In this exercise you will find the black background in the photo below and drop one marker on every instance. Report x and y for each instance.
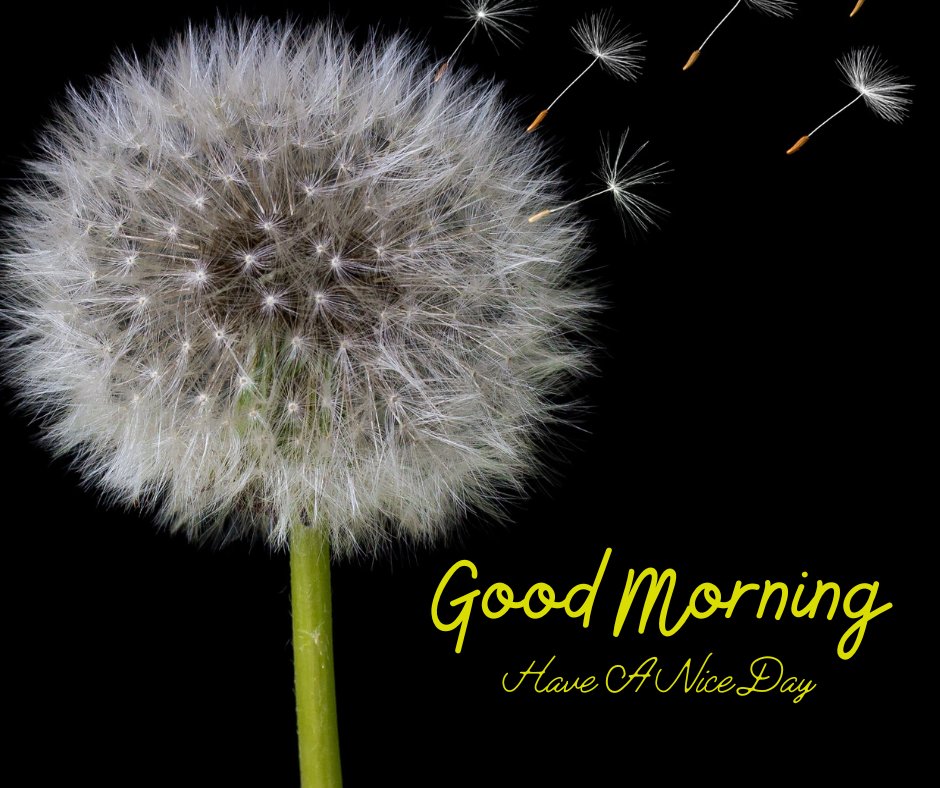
(758, 413)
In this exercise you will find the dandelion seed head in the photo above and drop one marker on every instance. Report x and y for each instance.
(313, 362)
(603, 37)
(883, 89)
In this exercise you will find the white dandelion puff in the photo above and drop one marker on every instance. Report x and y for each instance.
(499, 18)
(602, 37)
(877, 83)
(778, 8)
(622, 177)
(413, 271)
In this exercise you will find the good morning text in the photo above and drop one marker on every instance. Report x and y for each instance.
(705, 600)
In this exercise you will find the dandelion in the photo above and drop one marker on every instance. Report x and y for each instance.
(858, 7)
(781, 8)
(877, 84)
(621, 177)
(610, 45)
(497, 17)
(267, 283)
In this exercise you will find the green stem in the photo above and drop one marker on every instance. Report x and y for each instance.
(314, 684)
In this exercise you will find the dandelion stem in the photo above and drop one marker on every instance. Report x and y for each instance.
(438, 75)
(573, 83)
(314, 684)
(858, 7)
(462, 41)
(536, 217)
(859, 97)
(541, 116)
(584, 199)
(723, 20)
(803, 140)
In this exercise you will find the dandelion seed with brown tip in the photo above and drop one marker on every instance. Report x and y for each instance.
(602, 37)
(621, 176)
(783, 8)
(877, 84)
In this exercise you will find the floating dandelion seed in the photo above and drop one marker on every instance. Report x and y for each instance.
(781, 8)
(621, 177)
(494, 17)
(877, 84)
(610, 45)
(265, 282)
(858, 7)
